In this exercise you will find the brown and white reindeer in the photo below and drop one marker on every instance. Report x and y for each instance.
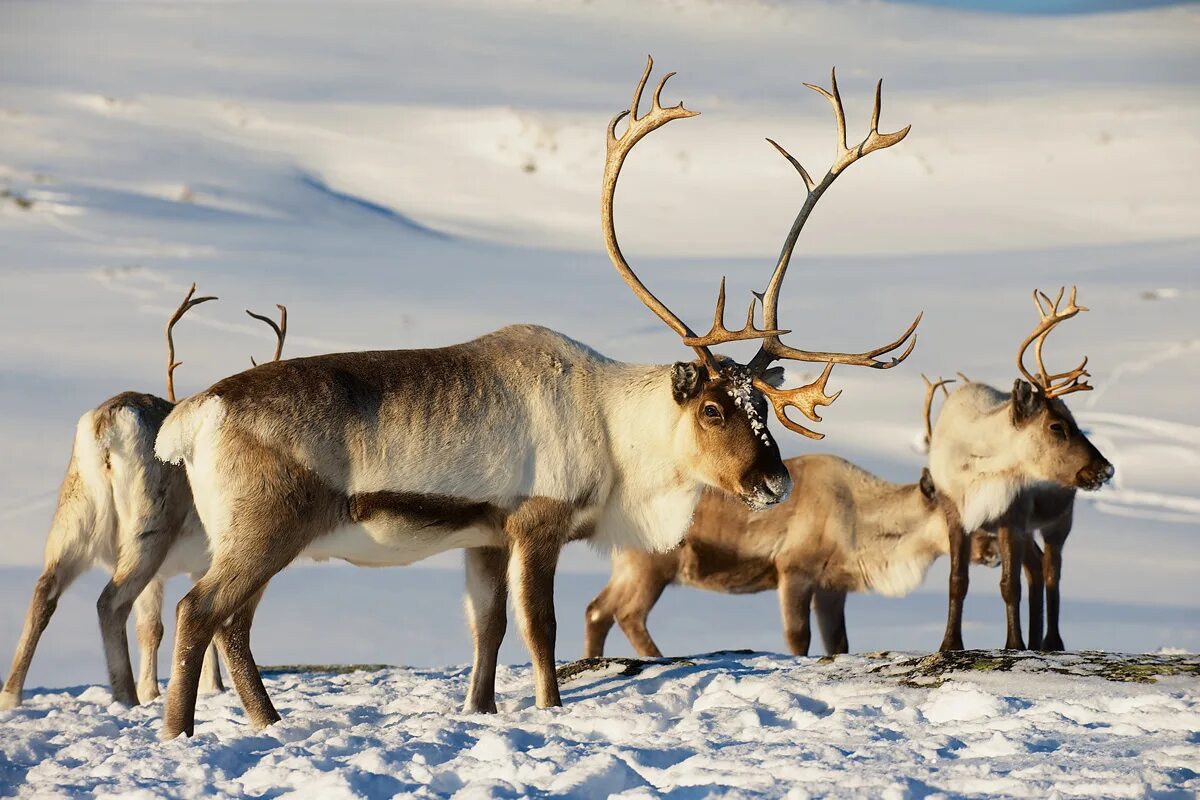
(510, 446)
(1006, 460)
(842, 530)
(1048, 510)
(122, 508)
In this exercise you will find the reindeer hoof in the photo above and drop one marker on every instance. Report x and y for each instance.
(9, 700)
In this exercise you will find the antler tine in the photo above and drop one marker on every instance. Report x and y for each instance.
(772, 348)
(805, 398)
(280, 330)
(188, 303)
(618, 147)
(719, 334)
(931, 388)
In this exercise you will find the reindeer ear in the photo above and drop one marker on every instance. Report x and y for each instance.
(686, 377)
(1025, 401)
(927, 487)
(774, 377)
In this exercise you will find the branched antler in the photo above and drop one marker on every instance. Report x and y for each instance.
(1059, 383)
(187, 304)
(772, 348)
(931, 388)
(280, 330)
(805, 398)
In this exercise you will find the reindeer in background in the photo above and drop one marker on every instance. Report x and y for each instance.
(1050, 512)
(122, 508)
(842, 530)
(1012, 462)
(508, 446)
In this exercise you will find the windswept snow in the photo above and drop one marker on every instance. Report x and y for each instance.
(747, 725)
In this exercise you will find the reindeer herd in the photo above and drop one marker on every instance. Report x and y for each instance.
(517, 443)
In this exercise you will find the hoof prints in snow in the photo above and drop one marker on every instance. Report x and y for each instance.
(1024, 724)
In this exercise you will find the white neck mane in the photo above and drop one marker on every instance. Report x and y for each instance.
(652, 498)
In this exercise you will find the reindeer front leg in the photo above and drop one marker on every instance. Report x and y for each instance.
(537, 530)
(795, 604)
(1012, 545)
(487, 614)
(1035, 579)
(960, 562)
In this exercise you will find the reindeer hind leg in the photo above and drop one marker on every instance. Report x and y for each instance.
(50, 585)
(147, 609)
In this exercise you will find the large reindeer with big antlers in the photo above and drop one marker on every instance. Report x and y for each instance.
(842, 530)
(1005, 460)
(510, 446)
(122, 508)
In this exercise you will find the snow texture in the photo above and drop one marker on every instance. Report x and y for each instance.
(748, 725)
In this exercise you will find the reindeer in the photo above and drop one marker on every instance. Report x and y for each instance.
(121, 507)
(1050, 511)
(842, 530)
(994, 454)
(508, 446)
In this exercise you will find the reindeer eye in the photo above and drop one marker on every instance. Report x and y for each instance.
(712, 411)
(1059, 429)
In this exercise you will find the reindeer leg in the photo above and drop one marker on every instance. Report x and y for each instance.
(531, 576)
(210, 672)
(960, 562)
(222, 594)
(831, 620)
(795, 603)
(53, 582)
(635, 610)
(233, 637)
(487, 614)
(1037, 590)
(597, 622)
(1011, 547)
(142, 553)
(147, 609)
(1054, 536)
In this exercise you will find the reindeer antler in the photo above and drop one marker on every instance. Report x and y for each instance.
(772, 348)
(187, 304)
(1059, 383)
(931, 388)
(805, 398)
(280, 330)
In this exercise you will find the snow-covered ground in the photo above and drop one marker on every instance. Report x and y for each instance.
(418, 173)
(733, 725)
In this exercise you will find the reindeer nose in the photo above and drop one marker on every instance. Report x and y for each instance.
(779, 485)
(1107, 473)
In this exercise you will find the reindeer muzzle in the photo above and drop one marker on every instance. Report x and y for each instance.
(771, 490)
(1094, 476)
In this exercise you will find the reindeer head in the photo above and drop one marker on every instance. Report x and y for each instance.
(1050, 443)
(724, 432)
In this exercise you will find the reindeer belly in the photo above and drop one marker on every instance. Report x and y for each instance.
(397, 528)
(391, 544)
(718, 570)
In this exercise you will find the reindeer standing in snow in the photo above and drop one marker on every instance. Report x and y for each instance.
(509, 446)
(994, 454)
(122, 508)
(842, 530)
